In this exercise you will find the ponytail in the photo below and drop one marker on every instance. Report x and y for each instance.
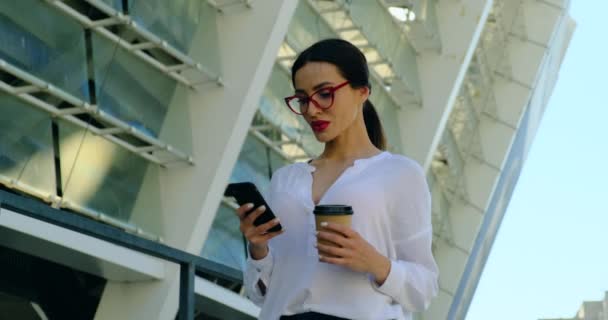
(374, 126)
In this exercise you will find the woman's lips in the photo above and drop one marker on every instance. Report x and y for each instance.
(319, 125)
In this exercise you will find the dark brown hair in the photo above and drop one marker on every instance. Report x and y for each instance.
(352, 64)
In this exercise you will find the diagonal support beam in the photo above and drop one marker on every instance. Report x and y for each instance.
(441, 75)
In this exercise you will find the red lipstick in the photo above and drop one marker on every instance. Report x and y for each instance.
(319, 125)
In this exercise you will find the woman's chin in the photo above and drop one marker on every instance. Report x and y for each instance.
(322, 137)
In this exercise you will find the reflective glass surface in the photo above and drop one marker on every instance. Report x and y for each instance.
(225, 243)
(94, 175)
(307, 27)
(380, 30)
(26, 149)
(146, 102)
(179, 22)
(116, 4)
(50, 47)
(98, 175)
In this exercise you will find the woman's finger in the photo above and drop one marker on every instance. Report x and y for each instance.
(263, 228)
(271, 235)
(242, 210)
(336, 227)
(254, 215)
(332, 237)
(252, 231)
(264, 238)
(336, 261)
(331, 250)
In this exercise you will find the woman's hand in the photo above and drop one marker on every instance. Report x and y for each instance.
(354, 253)
(257, 236)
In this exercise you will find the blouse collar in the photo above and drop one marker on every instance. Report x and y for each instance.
(358, 164)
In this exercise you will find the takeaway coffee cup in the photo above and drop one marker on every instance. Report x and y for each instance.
(334, 213)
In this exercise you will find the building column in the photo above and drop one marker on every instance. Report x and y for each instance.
(248, 40)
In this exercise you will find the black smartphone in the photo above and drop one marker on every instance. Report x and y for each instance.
(247, 192)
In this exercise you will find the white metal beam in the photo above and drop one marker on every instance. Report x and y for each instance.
(148, 41)
(441, 75)
(34, 84)
(422, 32)
(230, 6)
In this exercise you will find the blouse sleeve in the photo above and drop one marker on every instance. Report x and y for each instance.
(257, 277)
(258, 273)
(412, 280)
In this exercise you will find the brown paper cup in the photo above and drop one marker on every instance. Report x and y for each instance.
(340, 214)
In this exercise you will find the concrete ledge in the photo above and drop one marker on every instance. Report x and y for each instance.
(76, 250)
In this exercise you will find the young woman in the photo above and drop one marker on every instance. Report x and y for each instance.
(384, 268)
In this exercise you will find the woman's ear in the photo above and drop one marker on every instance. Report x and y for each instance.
(364, 92)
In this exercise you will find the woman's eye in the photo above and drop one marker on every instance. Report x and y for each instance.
(302, 100)
(324, 94)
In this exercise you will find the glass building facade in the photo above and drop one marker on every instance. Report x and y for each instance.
(101, 99)
(73, 166)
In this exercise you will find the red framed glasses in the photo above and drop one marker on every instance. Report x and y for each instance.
(322, 99)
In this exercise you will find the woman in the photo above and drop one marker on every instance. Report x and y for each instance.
(384, 268)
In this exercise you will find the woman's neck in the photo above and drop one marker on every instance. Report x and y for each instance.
(353, 143)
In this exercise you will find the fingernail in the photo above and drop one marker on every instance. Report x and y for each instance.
(262, 207)
(324, 224)
(249, 205)
(276, 221)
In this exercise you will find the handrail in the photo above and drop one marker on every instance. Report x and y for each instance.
(189, 264)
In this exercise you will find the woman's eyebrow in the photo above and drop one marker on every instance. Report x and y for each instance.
(317, 87)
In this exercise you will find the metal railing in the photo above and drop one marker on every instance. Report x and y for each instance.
(190, 265)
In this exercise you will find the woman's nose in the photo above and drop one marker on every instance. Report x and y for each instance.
(312, 109)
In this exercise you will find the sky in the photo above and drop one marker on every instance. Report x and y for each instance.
(551, 251)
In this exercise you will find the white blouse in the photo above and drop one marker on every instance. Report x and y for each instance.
(391, 204)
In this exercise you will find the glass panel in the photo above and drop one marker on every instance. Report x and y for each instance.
(389, 116)
(253, 165)
(116, 4)
(146, 103)
(225, 242)
(180, 23)
(26, 148)
(389, 39)
(307, 27)
(50, 46)
(98, 175)
(276, 161)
